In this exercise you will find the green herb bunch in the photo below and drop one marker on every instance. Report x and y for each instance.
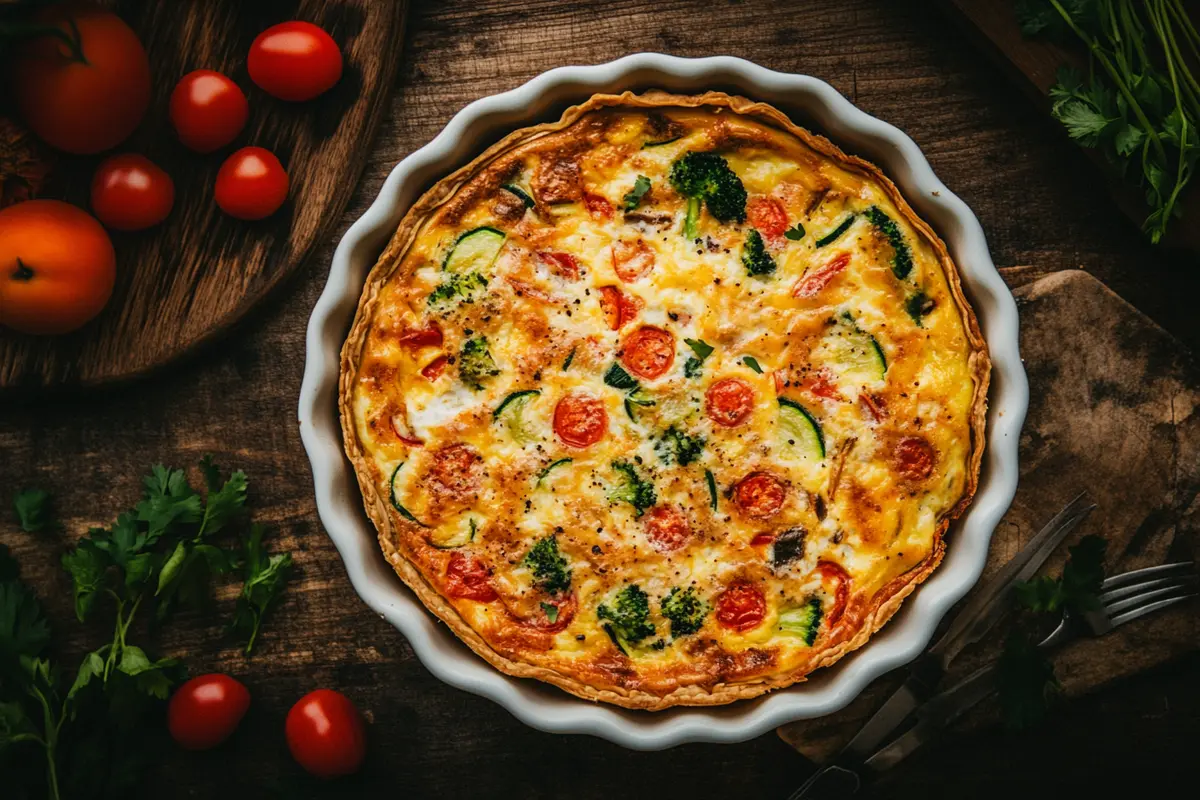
(1140, 101)
(1025, 676)
(93, 727)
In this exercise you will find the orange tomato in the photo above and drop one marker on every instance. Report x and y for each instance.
(57, 267)
(87, 97)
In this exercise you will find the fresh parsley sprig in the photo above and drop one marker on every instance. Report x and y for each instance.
(1025, 677)
(1140, 102)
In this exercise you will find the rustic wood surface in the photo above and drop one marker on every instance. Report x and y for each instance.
(1116, 420)
(186, 281)
(1040, 202)
(1033, 64)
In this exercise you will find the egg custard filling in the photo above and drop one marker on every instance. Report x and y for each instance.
(667, 402)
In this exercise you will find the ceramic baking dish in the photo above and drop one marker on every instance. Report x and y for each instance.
(809, 102)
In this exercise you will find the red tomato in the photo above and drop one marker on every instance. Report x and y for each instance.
(85, 98)
(251, 184)
(914, 458)
(206, 710)
(434, 369)
(208, 110)
(812, 283)
(632, 260)
(130, 192)
(741, 607)
(429, 336)
(580, 420)
(728, 402)
(294, 61)
(326, 734)
(455, 474)
(648, 352)
(597, 206)
(667, 527)
(564, 265)
(834, 572)
(760, 495)
(57, 267)
(768, 216)
(618, 309)
(469, 578)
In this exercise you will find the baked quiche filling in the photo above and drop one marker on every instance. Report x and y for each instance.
(669, 402)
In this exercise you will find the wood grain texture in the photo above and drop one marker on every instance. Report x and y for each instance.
(1033, 64)
(186, 281)
(1114, 412)
(1040, 203)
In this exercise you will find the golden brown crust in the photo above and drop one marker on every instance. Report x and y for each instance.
(858, 623)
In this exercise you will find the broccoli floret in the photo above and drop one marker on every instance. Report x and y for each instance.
(902, 260)
(628, 620)
(678, 447)
(475, 363)
(548, 566)
(918, 305)
(804, 620)
(706, 178)
(755, 256)
(457, 288)
(632, 489)
(684, 610)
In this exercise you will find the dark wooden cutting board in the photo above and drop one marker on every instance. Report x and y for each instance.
(1032, 64)
(1114, 411)
(188, 280)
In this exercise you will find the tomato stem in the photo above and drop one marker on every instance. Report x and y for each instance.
(73, 40)
(23, 272)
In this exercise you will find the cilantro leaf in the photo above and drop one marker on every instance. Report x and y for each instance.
(694, 364)
(634, 196)
(33, 507)
(265, 579)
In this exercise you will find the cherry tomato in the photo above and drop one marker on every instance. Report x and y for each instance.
(206, 711)
(57, 267)
(760, 495)
(469, 578)
(294, 61)
(741, 607)
(834, 572)
(914, 458)
(667, 527)
(326, 734)
(768, 216)
(208, 110)
(84, 98)
(580, 420)
(648, 352)
(251, 184)
(618, 309)
(728, 402)
(130, 192)
(632, 260)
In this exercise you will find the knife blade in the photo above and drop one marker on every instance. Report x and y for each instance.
(968, 626)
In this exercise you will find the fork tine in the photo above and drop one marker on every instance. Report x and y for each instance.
(1139, 575)
(1138, 588)
(1130, 603)
(1129, 616)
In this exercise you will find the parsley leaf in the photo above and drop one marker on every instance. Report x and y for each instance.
(752, 363)
(794, 233)
(265, 579)
(694, 364)
(634, 196)
(33, 507)
(1077, 588)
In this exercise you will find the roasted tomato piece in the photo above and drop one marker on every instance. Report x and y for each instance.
(564, 265)
(812, 283)
(434, 369)
(667, 527)
(455, 474)
(768, 216)
(648, 352)
(469, 578)
(728, 402)
(580, 420)
(619, 308)
(597, 206)
(914, 458)
(760, 495)
(428, 336)
(632, 260)
(741, 607)
(834, 573)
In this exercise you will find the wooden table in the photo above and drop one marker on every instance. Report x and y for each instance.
(1041, 204)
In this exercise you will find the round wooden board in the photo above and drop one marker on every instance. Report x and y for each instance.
(183, 283)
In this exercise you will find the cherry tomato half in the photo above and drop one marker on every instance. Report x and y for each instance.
(86, 97)
(326, 734)
(208, 110)
(251, 184)
(57, 267)
(206, 710)
(130, 192)
(294, 61)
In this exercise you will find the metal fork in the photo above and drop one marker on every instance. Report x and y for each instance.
(1123, 598)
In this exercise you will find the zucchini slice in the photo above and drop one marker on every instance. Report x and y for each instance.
(510, 413)
(712, 489)
(804, 621)
(661, 142)
(404, 512)
(803, 431)
(475, 250)
(460, 535)
(546, 470)
(853, 355)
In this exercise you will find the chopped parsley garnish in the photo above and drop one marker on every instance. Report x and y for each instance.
(634, 196)
(794, 233)
(702, 350)
(752, 363)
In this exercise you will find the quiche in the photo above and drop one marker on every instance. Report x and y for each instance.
(669, 402)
